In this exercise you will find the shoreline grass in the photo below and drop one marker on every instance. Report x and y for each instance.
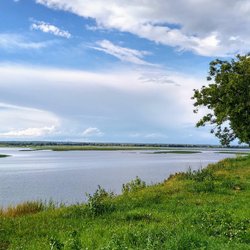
(204, 209)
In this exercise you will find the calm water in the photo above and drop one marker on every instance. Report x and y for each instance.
(67, 176)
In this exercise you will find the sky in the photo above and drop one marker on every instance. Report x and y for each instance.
(113, 70)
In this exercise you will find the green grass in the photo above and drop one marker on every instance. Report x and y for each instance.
(2, 156)
(177, 152)
(205, 209)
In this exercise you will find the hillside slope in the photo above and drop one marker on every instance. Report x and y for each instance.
(207, 209)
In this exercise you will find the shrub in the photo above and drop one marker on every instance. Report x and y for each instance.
(133, 185)
(98, 202)
(199, 175)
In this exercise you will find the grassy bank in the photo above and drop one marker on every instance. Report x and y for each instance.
(207, 209)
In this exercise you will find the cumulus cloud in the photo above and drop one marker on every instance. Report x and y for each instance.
(20, 121)
(28, 132)
(208, 28)
(16, 41)
(49, 28)
(92, 132)
(82, 103)
(122, 53)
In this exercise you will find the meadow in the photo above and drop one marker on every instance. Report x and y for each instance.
(204, 209)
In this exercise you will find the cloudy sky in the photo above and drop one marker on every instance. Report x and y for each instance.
(113, 70)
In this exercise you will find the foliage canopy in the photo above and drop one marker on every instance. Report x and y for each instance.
(227, 99)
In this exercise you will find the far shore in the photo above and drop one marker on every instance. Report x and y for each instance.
(2, 156)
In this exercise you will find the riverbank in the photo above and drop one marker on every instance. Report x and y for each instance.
(67, 146)
(157, 150)
(109, 148)
(207, 209)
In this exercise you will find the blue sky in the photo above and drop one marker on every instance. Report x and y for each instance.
(111, 71)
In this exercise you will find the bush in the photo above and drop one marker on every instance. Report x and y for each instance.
(98, 203)
(133, 185)
(199, 175)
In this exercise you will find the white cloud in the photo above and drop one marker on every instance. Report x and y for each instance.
(122, 53)
(157, 77)
(49, 28)
(28, 132)
(205, 27)
(81, 104)
(155, 135)
(152, 136)
(14, 41)
(92, 132)
(21, 121)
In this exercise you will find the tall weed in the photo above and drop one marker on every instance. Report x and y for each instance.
(133, 185)
(100, 202)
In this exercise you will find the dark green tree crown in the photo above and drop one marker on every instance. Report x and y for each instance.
(227, 100)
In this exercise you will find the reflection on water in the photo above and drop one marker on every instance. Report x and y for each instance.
(67, 176)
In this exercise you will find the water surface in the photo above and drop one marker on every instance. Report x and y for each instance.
(66, 176)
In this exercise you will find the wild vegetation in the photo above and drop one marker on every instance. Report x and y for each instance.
(63, 146)
(204, 209)
(227, 100)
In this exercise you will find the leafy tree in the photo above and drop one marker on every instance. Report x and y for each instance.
(227, 100)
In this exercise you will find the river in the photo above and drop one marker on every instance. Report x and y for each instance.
(66, 176)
